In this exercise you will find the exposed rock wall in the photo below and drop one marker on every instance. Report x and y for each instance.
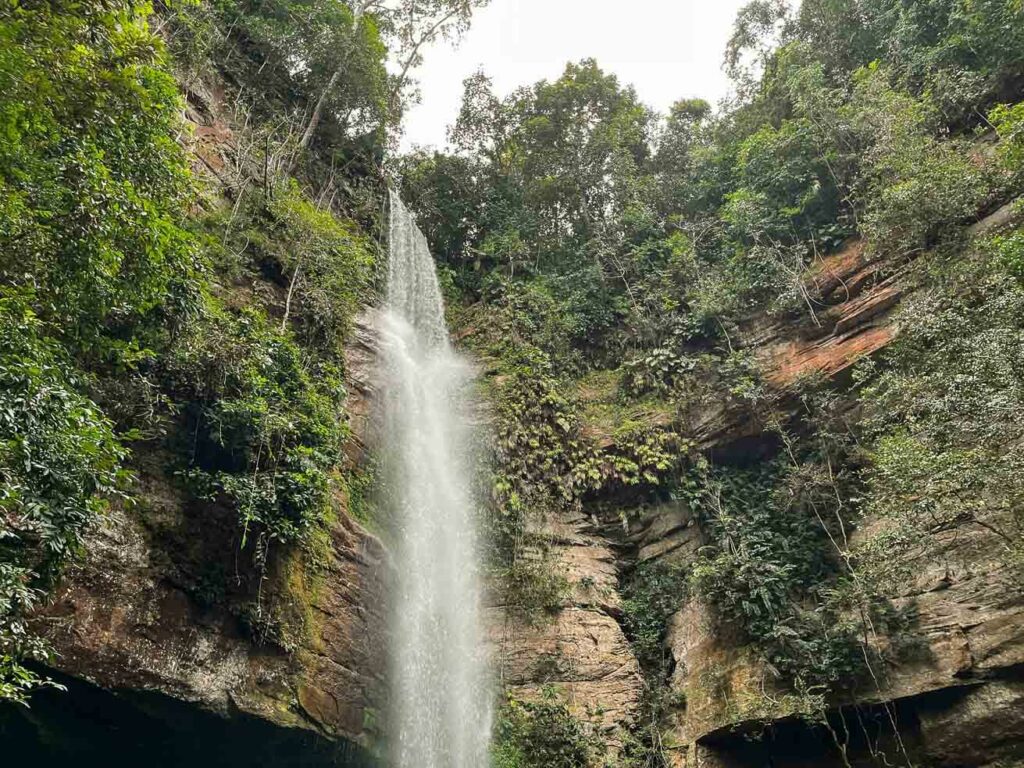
(956, 700)
(162, 602)
(968, 670)
(581, 650)
(128, 617)
(131, 616)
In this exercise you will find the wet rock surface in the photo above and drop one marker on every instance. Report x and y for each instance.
(581, 650)
(124, 620)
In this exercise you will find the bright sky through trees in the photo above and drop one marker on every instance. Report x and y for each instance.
(668, 49)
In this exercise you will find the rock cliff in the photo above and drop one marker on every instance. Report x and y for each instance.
(954, 700)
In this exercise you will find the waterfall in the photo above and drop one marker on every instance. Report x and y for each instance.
(440, 701)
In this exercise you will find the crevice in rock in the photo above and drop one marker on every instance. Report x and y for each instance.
(969, 726)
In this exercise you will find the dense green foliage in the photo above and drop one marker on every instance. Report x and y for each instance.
(775, 570)
(264, 427)
(292, 57)
(576, 188)
(94, 264)
(91, 206)
(133, 322)
(651, 595)
(265, 394)
(543, 734)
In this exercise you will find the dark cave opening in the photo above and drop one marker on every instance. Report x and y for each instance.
(94, 726)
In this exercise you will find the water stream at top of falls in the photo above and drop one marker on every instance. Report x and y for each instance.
(440, 701)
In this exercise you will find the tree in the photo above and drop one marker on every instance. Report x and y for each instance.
(336, 49)
(684, 130)
(309, 59)
(759, 28)
(570, 152)
(413, 25)
(93, 187)
(447, 195)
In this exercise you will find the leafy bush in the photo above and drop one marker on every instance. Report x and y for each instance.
(265, 421)
(943, 412)
(642, 456)
(93, 185)
(293, 53)
(60, 462)
(543, 734)
(964, 53)
(1008, 252)
(770, 572)
(651, 594)
(536, 435)
(914, 184)
(1008, 120)
(786, 178)
(656, 372)
(533, 589)
(326, 263)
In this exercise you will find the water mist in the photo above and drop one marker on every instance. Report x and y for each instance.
(440, 701)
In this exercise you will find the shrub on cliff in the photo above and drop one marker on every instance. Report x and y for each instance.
(543, 734)
(59, 464)
(93, 185)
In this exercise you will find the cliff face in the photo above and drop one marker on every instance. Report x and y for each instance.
(582, 649)
(154, 628)
(956, 703)
(122, 622)
(953, 699)
(127, 618)
(169, 620)
(964, 675)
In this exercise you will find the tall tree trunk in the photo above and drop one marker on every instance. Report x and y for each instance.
(314, 120)
(288, 300)
(426, 37)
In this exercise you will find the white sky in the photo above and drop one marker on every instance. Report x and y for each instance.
(668, 49)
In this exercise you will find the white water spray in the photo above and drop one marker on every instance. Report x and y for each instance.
(440, 701)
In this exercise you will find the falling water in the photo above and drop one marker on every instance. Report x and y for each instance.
(440, 703)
